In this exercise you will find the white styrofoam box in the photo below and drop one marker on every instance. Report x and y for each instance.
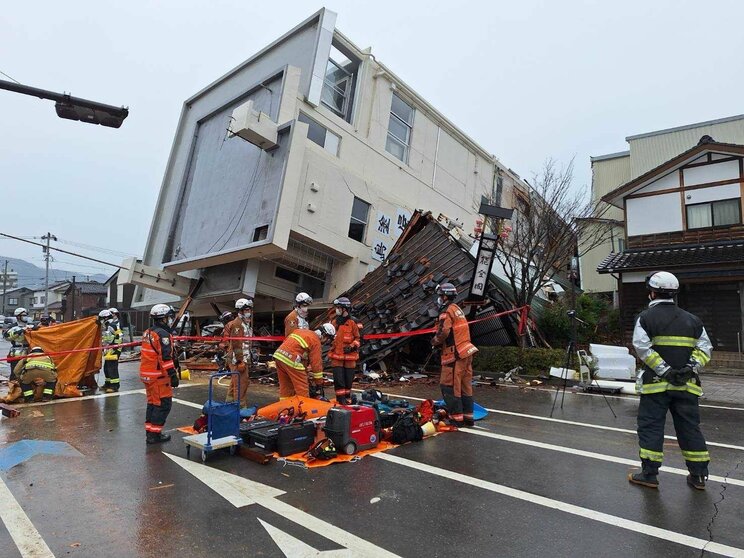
(597, 350)
(564, 373)
(616, 373)
(616, 361)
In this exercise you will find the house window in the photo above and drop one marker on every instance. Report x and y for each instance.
(13, 301)
(714, 214)
(339, 82)
(260, 233)
(399, 128)
(499, 189)
(320, 134)
(359, 216)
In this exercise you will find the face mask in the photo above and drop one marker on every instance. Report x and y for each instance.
(170, 322)
(339, 311)
(302, 311)
(24, 319)
(246, 317)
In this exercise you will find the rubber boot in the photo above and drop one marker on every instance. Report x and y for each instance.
(644, 479)
(468, 421)
(157, 437)
(696, 481)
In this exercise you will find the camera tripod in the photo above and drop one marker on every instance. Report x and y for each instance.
(569, 360)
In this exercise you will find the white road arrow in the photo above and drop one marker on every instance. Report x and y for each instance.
(242, 492)
(295, 548)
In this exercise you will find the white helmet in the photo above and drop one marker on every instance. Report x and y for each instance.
(114, 311)
(105, 314)
(662, 282)
(242, 303)
(326, 329)
(304, 298)
(160, 311)
(19, 312)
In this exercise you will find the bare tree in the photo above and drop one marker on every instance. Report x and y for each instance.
(553, 222)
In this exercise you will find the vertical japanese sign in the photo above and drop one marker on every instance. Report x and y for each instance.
(380, 249)
(401, 222)
(383, 223)
(483, 264)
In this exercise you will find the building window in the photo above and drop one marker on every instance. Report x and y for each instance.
(499, 189)
(320, 135)
(13, 301)
(287, 274)
(339, 82)
(359, 216)
(260, 233)
(314, 286)
(620, 244)
(714, 214)
(399, 128)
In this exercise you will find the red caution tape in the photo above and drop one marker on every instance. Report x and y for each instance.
(523, 319)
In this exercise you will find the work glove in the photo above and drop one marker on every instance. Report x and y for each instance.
(240, 367)
(680, 376)
(174, 381)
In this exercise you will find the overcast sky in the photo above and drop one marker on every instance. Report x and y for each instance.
(527, 80)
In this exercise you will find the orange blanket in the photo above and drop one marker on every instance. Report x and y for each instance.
(71, 368)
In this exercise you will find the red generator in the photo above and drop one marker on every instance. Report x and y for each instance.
(352, 428)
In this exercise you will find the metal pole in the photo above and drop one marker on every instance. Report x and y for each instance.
(73, 297)
(46, 274)
(5, 282)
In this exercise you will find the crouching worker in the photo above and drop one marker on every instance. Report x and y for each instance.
(453, 334)
(344, 352)
(158, 372)
(301, 354)
(37, 368)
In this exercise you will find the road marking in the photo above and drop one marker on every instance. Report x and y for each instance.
(616, 521)
(188, 403)
(84, 397)
(22, 531)
(571, 422)
(590, 454)
(241, 492)
(295, 548)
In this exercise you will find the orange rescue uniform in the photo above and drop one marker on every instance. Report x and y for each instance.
(156, 367)
(294, 321)
(300, 353)
(344, 354)
(237, 359)
(453, 334)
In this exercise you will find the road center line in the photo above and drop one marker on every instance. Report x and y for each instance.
(571, 422)
(22, 531)
(616, 521)
(589, 454)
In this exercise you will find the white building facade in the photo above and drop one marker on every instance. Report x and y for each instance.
(340, 152)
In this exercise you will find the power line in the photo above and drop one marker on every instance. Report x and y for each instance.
(60, 250)
(7, 76)
(96, 248)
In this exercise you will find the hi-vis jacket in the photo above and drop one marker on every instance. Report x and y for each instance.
(17, 336)
(41, 365)
(294, 321)
(300, 350)
(111, 335)
(665, 337)
(453, 333)
(156, 360)
(347, 335)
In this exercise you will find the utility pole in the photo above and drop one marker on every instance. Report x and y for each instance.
(73, 297)
(5, 282)
(49, 236)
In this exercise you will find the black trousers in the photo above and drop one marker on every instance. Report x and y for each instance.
(111, 371)
(343, 378)
(156, 414)
(685, 412)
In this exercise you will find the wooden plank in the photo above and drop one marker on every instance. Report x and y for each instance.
(255, 455)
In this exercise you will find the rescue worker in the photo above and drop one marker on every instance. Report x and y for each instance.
(158, 372)
(297, 318)
(673, 346)
(301, 354)
(17, 337)
(238, 354)
(453, 335)
(344, 351)
(37, 367)
(111, 334)
(45, 321)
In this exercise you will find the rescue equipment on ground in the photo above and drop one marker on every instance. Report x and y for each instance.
(352, 428)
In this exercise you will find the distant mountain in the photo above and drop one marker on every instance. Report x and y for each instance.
(30, 275)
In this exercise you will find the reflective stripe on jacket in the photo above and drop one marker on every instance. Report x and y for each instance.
(156, 358)
(347, 335)
(300, 350)
(666, 337)
(293, 322)
(453, 333)
(112, 335)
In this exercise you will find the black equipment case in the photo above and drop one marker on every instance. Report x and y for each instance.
(295, 438)
(264, 438)
(247, 427)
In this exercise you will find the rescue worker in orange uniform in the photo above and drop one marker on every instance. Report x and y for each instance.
(453, 335)
(297, 318)
(344, 351)
(238, 355)
(158, 372)
(299, 355)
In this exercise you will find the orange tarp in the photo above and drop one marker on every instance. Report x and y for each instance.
(315, 408)
(73, 367)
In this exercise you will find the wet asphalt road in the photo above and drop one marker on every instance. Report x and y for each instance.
(509, 488)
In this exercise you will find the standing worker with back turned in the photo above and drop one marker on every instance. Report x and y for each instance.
(110, 335)
(673, 346)
(344, 351)
(453, 334)
(158, 372)
(297, 318)
(238, 354)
